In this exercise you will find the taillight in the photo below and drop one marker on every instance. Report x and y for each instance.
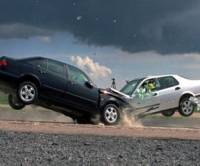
(3, 63)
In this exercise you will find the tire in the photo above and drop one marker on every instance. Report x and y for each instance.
(28, 92)
(111, 114)
(168, 113)
(186, 108)
(15, 103)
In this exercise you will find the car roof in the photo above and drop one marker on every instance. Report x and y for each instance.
(30, 58)
(40, 58)
(154, 76)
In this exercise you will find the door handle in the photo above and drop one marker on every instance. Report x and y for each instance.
(72, 82)
(177, 88)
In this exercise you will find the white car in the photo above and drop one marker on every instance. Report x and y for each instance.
(171, 93)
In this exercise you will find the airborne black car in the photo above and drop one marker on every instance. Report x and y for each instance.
(58, 86)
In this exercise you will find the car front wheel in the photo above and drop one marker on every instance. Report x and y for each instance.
(14, 102)
(186, 107)
(28, 92)
(111, 114)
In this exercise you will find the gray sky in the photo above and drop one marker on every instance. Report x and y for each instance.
(131, 37)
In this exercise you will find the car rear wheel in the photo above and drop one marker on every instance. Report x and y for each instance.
(28, 92)
(14, 102)
(186, 107)
(168, 113)
(111, 114)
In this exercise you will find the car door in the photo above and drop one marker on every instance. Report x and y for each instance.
(146, 101)
(80, 93)
(168, 92)
(53, 78)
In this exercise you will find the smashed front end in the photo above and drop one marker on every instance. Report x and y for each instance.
(127, 103)
(111, 95)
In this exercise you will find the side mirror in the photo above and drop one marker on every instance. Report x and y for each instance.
(134, 95)
(89, 84)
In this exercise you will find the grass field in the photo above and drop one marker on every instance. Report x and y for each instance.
(3, 98)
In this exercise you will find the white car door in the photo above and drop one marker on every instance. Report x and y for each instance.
(169, 92)
(147, 103)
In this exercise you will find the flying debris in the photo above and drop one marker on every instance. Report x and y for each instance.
(78, 18)
(114, 21)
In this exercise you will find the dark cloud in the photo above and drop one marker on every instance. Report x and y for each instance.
(132, 25)
(17, 30)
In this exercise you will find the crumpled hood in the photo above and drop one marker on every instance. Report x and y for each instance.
(114, 92)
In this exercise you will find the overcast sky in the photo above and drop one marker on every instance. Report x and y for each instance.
(130, 38)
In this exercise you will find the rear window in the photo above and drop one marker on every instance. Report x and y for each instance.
(77, 75)
(167, 82)
(56, 68)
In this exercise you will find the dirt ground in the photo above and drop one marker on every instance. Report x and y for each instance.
(38, 114)
(77, 129)
(35, 136)
(37, 119)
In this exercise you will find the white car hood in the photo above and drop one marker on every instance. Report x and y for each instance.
(120, 93)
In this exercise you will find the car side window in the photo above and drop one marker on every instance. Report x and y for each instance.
(167, 82)
(56, 68)
(76, 75)
(150, 85)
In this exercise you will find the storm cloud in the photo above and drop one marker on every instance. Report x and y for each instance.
(22, 31)
(132, 25)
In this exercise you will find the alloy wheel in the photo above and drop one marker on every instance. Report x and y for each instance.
(187, 107)
(27, 93)
(111, 114)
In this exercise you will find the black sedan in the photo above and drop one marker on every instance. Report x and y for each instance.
(58, 86)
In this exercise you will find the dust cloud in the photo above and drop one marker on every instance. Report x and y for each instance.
(130, 121)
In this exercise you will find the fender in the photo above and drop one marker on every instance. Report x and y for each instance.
(111, 98)
(188, 93)
(30, 76)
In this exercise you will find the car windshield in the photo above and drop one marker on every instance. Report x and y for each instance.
(130, 87)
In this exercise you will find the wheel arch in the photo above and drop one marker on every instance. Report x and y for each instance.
(30, 77)
(110, 102)
(187, 94)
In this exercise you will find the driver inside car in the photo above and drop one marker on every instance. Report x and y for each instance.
(151, 85)
(146, 89)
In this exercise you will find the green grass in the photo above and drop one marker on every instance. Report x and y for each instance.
(3, 98)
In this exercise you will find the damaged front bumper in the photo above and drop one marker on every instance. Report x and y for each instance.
(196, 101)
